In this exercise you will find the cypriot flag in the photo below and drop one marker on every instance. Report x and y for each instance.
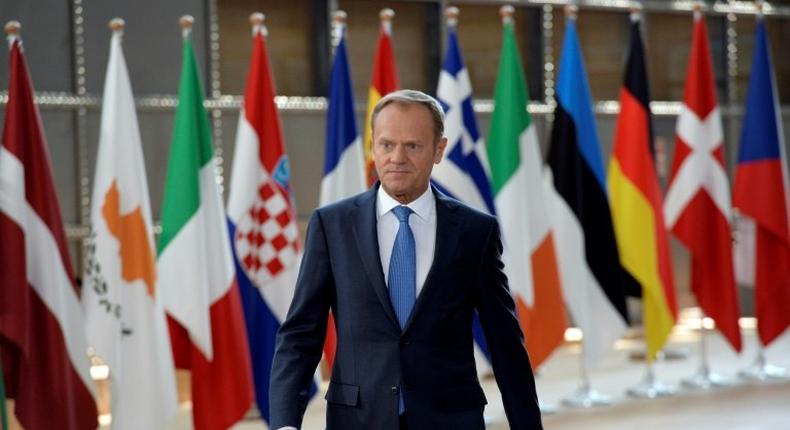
(124, 314)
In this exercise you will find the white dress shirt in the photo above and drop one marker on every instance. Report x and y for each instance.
(423, 226)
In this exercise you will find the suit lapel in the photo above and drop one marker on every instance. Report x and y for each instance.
(447, 224)
(367, 238)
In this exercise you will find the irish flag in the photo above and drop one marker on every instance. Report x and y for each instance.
(520, 200)
(383, 81)
(196, 270)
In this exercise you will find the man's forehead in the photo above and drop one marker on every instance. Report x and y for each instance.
(422, 114)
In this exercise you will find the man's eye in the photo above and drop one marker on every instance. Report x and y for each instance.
(412, 146)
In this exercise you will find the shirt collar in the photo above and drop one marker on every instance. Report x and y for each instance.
(423, 206)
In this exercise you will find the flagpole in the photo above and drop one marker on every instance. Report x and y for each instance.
(585, 396)
(704, 378)
(339, 18)
(12, 31)
(186, 22)
(761, 369)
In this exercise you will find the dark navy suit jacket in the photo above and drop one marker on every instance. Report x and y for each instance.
(431, 361)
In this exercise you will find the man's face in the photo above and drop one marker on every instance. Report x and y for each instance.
(405, 150)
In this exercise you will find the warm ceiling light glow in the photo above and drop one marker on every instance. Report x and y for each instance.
(748, 322)
(100, 372)
(573, 334)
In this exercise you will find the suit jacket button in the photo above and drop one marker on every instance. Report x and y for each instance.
(395, 390)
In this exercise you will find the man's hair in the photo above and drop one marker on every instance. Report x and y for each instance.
(413, 97)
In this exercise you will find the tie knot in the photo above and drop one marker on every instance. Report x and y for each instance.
(402, 212)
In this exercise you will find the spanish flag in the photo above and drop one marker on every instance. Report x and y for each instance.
(635, 198)
(384, 80)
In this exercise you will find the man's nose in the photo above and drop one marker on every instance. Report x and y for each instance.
(399, 154)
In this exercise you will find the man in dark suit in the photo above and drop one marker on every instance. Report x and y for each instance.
(403, 268)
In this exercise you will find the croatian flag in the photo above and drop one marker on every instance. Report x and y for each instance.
(463, 174)
(262, 218)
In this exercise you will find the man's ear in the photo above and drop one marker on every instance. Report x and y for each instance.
(437, 157)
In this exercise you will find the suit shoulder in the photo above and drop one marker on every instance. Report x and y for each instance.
(466, 211)
(341, 208)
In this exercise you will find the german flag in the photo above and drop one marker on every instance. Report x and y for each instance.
(636, 203)
(384, 80)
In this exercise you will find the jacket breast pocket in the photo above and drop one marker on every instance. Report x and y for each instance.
(342, 394)
(463, 398)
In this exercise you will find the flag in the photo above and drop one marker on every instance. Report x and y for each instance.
(516, 170)
(464, 172)
(697, 203)
(344, 166)
(124, 316)
(42, 330)
(594, 292)
(196, 268)
(3, 410)
(384, 80)
(761, 192)
(636, 201)
(262, 219)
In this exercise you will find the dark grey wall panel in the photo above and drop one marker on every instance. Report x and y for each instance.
(59, 129)
(152, 42)
(46, 34)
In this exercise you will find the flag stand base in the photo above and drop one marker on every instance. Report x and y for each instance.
(761, 370)
(586, 397)
(547, 408)
(704, 378)
(649, 388)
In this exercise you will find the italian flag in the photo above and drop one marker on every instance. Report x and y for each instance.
(196, 270)
(520, 199)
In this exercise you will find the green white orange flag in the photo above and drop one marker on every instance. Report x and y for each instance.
(124, 315)
(520, 199)
(196, 267)
(383, 81)
(636, 203)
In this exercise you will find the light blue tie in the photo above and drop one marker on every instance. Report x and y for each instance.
(403, 274)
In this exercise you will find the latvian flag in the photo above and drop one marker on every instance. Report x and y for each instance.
(42, 332)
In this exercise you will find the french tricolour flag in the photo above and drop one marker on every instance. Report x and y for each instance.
(344, 166)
